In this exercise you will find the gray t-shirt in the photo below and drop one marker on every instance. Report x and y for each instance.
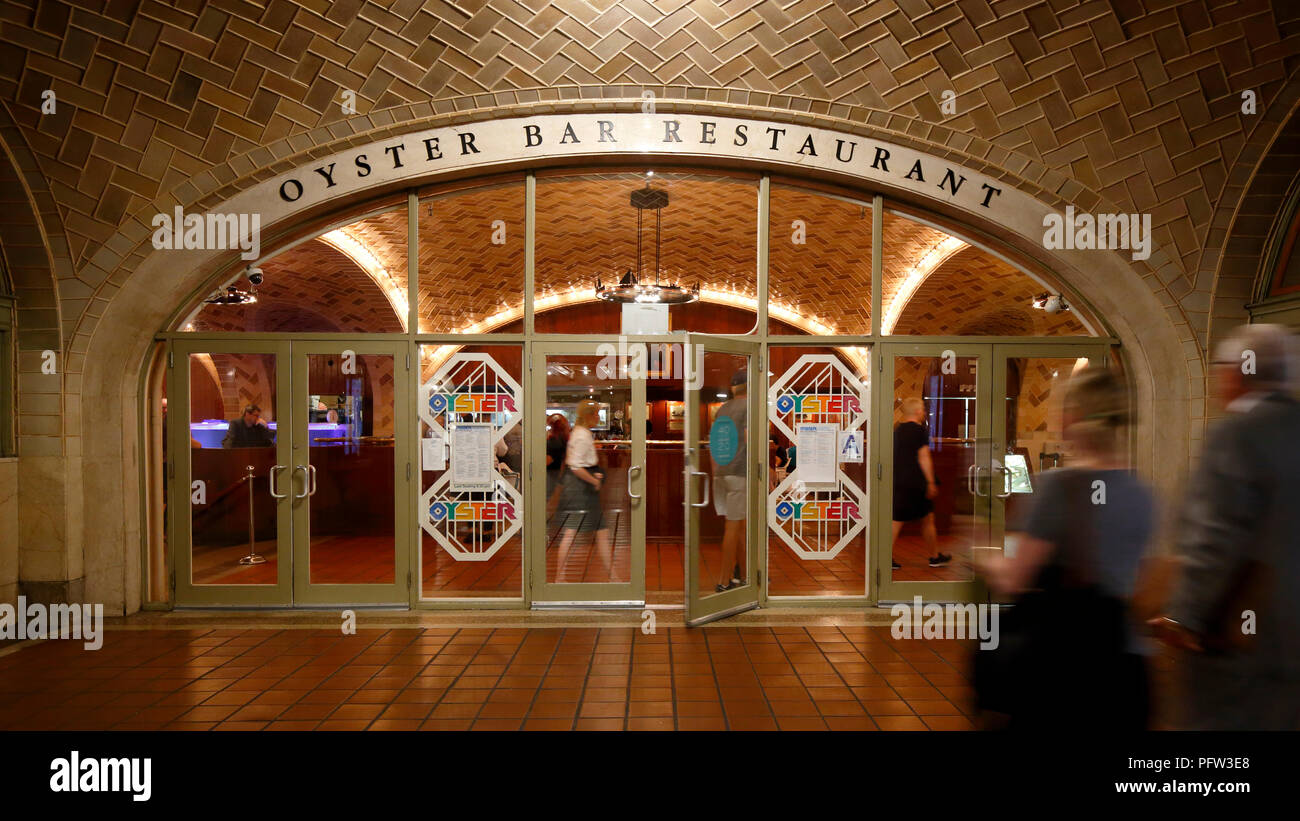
(1120, 528)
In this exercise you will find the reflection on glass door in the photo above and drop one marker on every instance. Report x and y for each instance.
(350, 409)
(593, 448)
(231, 450)
(287, 458)
(723, 490)
(1029, 430)
(936, 468)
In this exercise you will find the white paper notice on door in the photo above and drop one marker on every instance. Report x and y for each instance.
(472, 456)
(433, 452)
(818, 446)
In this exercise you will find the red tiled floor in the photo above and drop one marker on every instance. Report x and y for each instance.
(717, 678)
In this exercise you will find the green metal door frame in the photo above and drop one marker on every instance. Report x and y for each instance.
(702, 608)
(292, 587)
(1097, 352)
(886, 589)
(180, 527)
(397, 593)
(542, 593)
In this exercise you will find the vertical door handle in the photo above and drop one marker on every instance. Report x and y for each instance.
(978, 469)
(311, 471)
(274, 470)
(631, 468)
(970, 479)
(1006, 482)
(305, 481)
(704, 503)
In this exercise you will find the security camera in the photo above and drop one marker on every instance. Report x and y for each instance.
(255, 276)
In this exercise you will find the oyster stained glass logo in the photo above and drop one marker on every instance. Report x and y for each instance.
(817, 403)
(471, 403)
(472, 511)
(817, 511)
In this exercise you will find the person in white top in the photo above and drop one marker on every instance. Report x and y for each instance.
(580, 508)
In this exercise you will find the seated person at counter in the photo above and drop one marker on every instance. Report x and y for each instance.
(249, 431)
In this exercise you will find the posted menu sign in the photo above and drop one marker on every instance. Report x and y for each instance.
(472, 456)
(818, 448)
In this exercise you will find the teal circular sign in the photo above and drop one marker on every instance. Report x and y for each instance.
(723, 440)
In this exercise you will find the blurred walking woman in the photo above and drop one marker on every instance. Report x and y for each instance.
(1071, 653)
(580, 507)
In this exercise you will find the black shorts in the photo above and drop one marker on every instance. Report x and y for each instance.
(910, 504)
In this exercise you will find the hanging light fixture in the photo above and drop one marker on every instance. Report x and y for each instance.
(633, 286)
(232, 296)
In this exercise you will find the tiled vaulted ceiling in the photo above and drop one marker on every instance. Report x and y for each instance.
(1137, 102)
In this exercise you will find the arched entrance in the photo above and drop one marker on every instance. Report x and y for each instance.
(895, 295)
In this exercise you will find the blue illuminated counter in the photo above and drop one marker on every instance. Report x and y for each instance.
(210, 432)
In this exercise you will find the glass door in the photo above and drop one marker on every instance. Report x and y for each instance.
(725, 497)
(588, 545)
(228, 432)
(288, 460)
(934, 435)
(351, 472)
(1028, 433)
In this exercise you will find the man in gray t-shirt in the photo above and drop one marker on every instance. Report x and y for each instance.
(730, 496)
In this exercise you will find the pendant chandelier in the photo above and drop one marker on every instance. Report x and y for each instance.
(232, 296)
(634, 285)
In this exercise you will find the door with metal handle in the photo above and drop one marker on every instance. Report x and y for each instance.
(275, 470)
(691, 473)
(308, 480)
(630, 494)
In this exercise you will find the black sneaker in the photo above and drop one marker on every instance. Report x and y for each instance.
(940, 560)
(897, 566)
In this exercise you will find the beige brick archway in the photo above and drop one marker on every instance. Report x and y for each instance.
(142, 288)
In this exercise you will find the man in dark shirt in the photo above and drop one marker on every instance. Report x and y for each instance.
(249, 431)
(914, 485)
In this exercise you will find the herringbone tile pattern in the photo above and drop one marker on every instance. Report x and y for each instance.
(976, 294)
(1137, 104)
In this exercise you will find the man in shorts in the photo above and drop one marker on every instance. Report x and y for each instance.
(730, 495)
